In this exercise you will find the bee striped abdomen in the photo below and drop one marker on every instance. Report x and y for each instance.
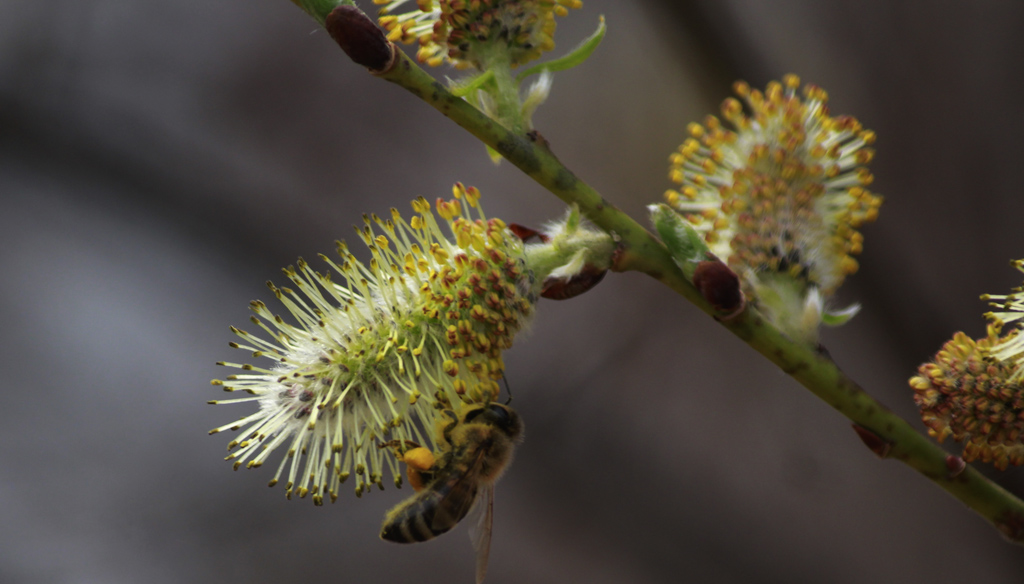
(411, 521)
(428, 514)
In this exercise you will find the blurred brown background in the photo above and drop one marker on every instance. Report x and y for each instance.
(160, 160)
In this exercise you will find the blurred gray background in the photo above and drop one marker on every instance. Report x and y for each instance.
(160, 160)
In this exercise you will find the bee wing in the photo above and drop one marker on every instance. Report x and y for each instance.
(457, 496)
(480, 532)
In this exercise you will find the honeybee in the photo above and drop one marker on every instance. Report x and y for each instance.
(475, 449)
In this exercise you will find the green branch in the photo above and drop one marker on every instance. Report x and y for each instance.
(887, 434)
(529, 152)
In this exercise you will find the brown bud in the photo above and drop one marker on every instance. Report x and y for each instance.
(720, 286)
(1011, 526)
(880, 446)
(537, 138)
(956, 465)
(360, 38)
(525, 233)
(562, 289)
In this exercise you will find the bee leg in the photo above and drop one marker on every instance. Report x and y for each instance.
(390, 444)
(508, 389)
(418, 462)
(447, 431)
(400, 446)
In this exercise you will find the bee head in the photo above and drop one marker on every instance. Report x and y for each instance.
(500, 416)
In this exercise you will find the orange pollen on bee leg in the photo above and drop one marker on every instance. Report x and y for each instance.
(417, 460)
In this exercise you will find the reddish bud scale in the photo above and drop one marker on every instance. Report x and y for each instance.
(874, 442)
(360, 38)
(956, 465)
(525, 233)
(562, 289)
(720, 286)
(1011, 525)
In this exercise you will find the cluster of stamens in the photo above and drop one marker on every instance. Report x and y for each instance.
(966, 393)
(468, 33)
(781, 189)
(419, 329)
(972, 389)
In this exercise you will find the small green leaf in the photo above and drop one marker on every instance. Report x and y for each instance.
(495, 157)
(572, 221)
(573, 58)
(839, 317)
(684, 243)
(464, 87)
